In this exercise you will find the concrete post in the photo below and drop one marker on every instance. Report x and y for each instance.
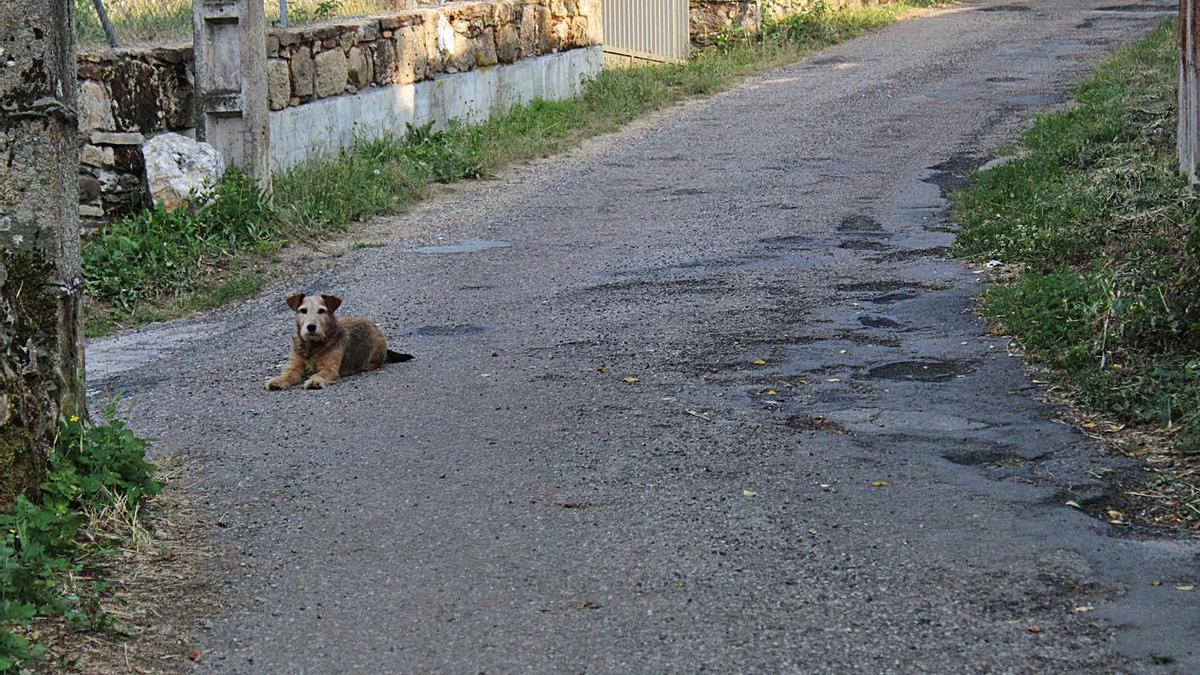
(41, 345)
(231, 83)
(1189, 89)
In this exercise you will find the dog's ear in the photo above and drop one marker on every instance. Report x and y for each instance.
(294, 301)
(332, 302)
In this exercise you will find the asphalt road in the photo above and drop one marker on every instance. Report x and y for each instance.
(885, 493)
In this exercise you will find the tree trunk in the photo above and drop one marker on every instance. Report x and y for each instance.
(1189, 89)
(41, 346)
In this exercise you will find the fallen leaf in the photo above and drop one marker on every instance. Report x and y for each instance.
(880, 483)
(195, 655)
(631, 379)
(760, 362)
(771, 392)
(1113, 513)
(749, 493)
(1073, 504)
(1035, 628)
(1114, 428)
(1084, 608)
(588, 605)
(1185, 587)
(602, 369)
(1089, 425)
(1156, 582)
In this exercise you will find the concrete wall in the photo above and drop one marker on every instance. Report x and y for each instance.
(323, 127)
(331, 81)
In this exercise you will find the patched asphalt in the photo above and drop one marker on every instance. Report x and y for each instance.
(826, 462)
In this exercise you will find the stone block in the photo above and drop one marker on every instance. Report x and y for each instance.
(383, 61)
(330, 71)
(95, 155)
(508, 43)
(116, 138)
(95, 108)
(301, 66)
(279, 84)
(358, 64)
(484, 48)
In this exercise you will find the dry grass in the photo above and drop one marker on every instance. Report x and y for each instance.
(159, 590)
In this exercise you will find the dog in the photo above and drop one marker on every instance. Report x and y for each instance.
(330, 347)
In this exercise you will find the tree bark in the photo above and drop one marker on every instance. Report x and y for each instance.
(1189, 89)
(41, 345)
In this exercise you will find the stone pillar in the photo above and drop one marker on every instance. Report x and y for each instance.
(231, 83)
(41, 345)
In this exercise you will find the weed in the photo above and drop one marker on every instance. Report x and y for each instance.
(1104, 232)
(98, 474)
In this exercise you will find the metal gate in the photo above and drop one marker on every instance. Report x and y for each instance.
(646, 30)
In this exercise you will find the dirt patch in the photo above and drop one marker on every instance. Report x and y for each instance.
(814, 423)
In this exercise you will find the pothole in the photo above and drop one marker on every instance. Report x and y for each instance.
(1004, 8)
(863, 245)
(895, 296)
(995, 459)
(884, 285)
(876, 321)
(860, 224)
(919, 370)
(915, 254)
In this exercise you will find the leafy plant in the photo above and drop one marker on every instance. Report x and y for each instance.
(92, 467)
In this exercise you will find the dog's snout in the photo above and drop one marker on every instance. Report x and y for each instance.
(312, 327)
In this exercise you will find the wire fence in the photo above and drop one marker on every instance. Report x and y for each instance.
(142, 22)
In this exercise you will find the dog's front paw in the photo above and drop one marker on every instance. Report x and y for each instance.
(276, 384)
(316, 382)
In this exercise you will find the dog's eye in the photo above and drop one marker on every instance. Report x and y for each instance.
(321, 311)
(304, 310)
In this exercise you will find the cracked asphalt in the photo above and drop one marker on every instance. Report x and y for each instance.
(884, 493)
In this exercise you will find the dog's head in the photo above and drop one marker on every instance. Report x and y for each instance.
(314, 315)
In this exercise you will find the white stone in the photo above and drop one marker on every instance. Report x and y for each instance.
(179, 169)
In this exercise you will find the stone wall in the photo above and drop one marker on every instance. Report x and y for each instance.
(708, 19)
(127, 95)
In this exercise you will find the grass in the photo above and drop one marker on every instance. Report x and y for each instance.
(156, 265)
(53, 544)
(1100, 237)
(157, 21)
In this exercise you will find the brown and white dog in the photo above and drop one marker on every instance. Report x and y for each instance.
(329, 347)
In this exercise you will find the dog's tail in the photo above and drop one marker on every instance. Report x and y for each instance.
(397, 357)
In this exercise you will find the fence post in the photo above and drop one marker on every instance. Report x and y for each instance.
(231, 83)
(1189, 89)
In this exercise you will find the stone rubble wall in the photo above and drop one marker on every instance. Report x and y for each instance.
(128, 95)
(709, 19)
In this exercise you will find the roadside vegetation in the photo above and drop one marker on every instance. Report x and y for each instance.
(155, 265)
(157, 21)
(56, 546)
(1096, 239)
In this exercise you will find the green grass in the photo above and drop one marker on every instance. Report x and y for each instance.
(53, 545)
(1103, 234)
(156, 265)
